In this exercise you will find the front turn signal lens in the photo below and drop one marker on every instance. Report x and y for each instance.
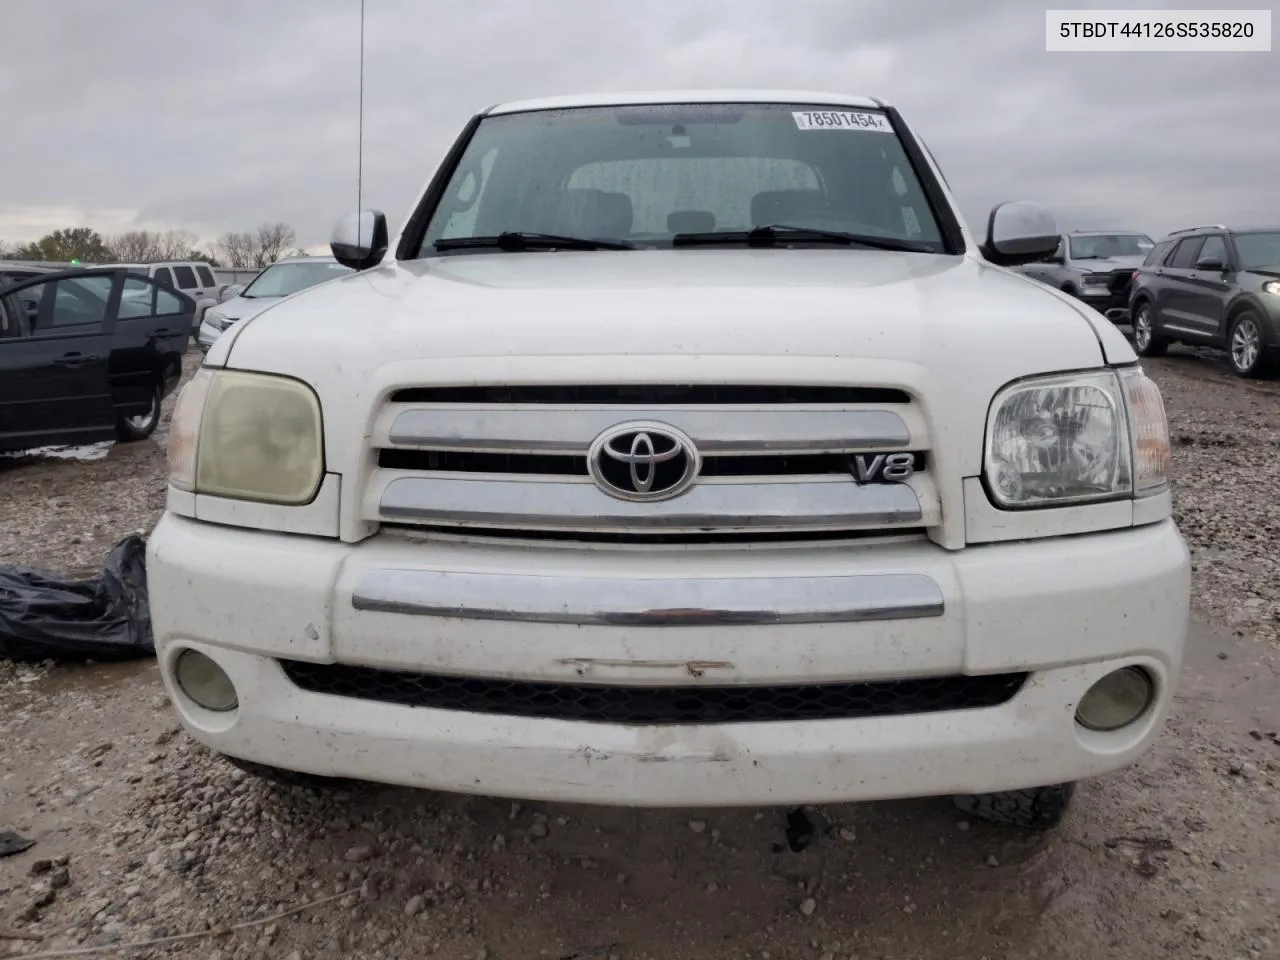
(1149, 430)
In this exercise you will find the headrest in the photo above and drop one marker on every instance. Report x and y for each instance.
(691, 221)
(597, 213)
(786, 206)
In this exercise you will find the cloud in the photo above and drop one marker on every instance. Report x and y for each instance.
(216, 117)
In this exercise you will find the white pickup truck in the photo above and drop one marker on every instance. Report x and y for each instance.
(683, 449)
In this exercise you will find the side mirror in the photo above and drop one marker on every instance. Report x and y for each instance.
(229, 291)
(1212, 264)
(359, 240)
(1020, 232)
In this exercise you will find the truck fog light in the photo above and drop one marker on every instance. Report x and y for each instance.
(1116, 700)
(206, 683)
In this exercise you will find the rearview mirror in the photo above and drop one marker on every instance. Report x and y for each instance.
(359, 240)
(1020, 232)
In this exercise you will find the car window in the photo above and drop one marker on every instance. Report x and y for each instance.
(1258, 251)
(1215, 248)
(1157, 253)
(642, 174)
(206, 276)
(69, 302)
(137, 298)
(283, 279)
(167, 304)
(186, 277)
(163, 276)
(661, 191)
(10, 318)
(1104, 245)
(1184, 258)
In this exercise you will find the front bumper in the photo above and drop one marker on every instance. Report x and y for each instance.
(1068, 610)
(206, 334)
(1113, 305)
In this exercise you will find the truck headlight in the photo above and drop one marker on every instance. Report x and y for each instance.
(1076, 438)
(249, 436)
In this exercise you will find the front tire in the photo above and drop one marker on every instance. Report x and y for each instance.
(133, 429)
(1146, 342)
(1246, 349)
(1038, 808)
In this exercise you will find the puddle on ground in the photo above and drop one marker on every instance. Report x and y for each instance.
(92, 451)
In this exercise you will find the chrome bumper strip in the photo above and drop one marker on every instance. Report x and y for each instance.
(646, 602)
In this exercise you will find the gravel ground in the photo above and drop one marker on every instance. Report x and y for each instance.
(141, 834)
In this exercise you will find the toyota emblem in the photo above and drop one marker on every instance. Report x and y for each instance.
(643, 461)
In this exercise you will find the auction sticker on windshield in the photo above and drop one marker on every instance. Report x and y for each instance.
(828, 120)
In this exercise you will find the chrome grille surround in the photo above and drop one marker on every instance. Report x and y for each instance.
(503, 460)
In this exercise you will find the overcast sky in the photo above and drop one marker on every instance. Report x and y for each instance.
(218, 116)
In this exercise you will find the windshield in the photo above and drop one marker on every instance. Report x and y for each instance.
(1102, 246)
(283, 279)
(1258, 250)
(639, 175)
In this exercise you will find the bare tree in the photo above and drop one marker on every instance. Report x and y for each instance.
(134, 246)
(237, 250)
(256, 248)
(271, 240)
(174, 244)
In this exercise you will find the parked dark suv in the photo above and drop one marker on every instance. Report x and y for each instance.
(1211, 286)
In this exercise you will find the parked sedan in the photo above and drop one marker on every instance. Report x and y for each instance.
(282, 279)
(87, 355)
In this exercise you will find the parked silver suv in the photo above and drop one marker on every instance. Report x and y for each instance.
(1095, 266)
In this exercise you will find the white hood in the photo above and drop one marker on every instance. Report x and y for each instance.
(954, 329)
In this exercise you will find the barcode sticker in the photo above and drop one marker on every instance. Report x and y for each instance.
(843, 120)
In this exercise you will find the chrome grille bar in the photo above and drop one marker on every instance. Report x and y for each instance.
(717, 430)
(558, 504)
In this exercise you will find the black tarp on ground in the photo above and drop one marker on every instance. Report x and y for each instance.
(46, 616)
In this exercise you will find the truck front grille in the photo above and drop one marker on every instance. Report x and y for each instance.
(649, 706)
(774, 460)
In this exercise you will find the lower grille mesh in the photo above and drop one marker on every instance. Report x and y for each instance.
(688, 704)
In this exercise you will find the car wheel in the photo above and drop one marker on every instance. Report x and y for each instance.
(287, 778)
(1245, 347)
(1039, 808)
(131, 429)
(1146, 341)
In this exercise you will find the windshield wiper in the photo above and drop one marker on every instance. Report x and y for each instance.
(515, 241)
(767, 236)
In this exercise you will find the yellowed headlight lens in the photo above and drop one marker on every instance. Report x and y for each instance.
(260, 439)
